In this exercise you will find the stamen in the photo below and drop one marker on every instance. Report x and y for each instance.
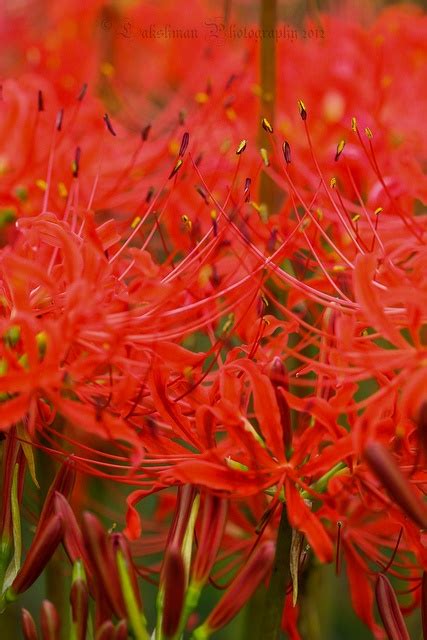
(40, 101)
(340, 148)
(83, 91)
(59, 119)
(266, 125)
(287, 152)
(184, 144)
(302, 110)
(76, 163)
(145, 132)
(242, 146)
(264, 156)
(109, 125)
(175, 169)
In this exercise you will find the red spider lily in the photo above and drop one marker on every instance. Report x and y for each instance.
(130, 248)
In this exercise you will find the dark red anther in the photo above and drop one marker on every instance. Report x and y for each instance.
(59, 119)
(287, 152)
(109, 124)
(40, 101)
(184, 144)
(145, 132)
(76, 163)
(82, 92)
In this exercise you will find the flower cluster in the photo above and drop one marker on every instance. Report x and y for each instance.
(254, 365)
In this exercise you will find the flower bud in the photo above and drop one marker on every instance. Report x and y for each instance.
(100, 551)
(49, 621)
(79, 600)
(41, 550)
(240, 590)
(389, 610)
(384, 467)
(106, 631)
(28, 626)
(173, 583)
(121, 631)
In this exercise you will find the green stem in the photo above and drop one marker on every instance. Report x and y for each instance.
(270, 628)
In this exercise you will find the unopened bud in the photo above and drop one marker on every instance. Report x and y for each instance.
(389, 610)
(121, 631)
(384, 467)
(106, 631)
(49, 621)
(173, 584)
(79, 600)
(28, 626)
(39, 554)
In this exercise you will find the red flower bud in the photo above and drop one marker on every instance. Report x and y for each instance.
(173, 583)
(242, 587)
(79, 599)
(39, 554)
(212, 527)
(389, 610)
(102, 559)
(424, 604)
(28, 626)
(73, 539)
(49, 621)
(121, 632)
(106, 631)
(382, 464)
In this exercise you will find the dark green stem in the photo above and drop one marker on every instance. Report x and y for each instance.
(270, 628)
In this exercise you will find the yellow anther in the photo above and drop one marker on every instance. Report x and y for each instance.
(214, 214)
(266, 125)
(302, 109)
(256, 90)
(173, 147)
(353, 124)
(338, 267)
(201, 97)
(319, 214)
(187, 222)
(263, 212)
(356, 217)
(135, 222)
(107, 69)
(304, 225)
(264, 156)
(242, 146)
(188, 373)
(205, 274)
(228, 324)
(41, 184)
(176, 168)
(333, 183)
(225, 146)
(340, 147)
(369, 133)
(378, 211)
(62, 190)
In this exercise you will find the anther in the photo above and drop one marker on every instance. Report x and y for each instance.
(109, 125)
